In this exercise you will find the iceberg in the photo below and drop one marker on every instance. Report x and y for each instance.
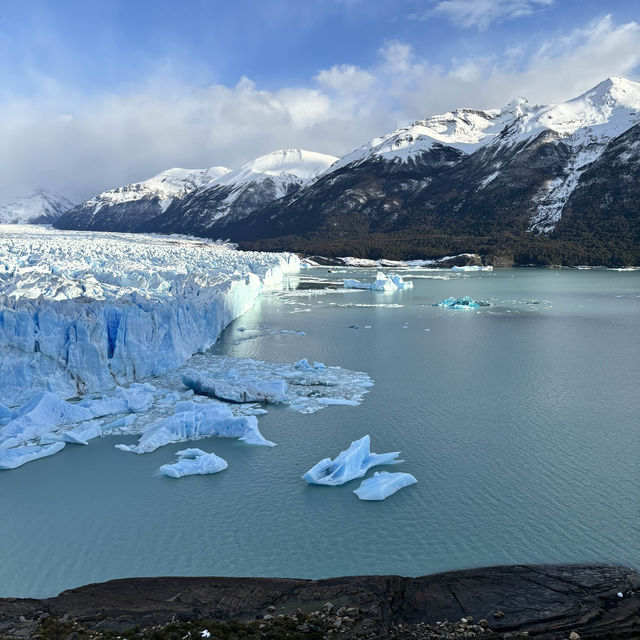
(462, 303)
(382, 282)
(83, 433)
(192, 421)
(472, 268)
(383, 484)
(194, 462)
(45, 412)
(234, 388)
(352, 463)
(16, 457)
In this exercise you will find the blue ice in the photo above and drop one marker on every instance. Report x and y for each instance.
(383, 484)
(194, 462)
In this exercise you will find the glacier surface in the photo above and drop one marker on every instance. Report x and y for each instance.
(383, 484)
(84, 311)
(194, 462)
(349, 464)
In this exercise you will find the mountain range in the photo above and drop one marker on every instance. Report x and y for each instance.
(524, 184)
(42, 207)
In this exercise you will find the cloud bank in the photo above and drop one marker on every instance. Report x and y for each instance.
(78, 144)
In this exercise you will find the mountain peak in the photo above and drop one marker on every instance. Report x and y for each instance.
(42, 206)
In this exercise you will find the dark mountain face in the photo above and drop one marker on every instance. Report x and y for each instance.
(122, 216)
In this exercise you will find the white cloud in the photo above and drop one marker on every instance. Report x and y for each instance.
(481, 13)
(80, 144)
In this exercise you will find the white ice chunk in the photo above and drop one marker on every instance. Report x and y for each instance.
(42, 414)
(383, 484)
(192, 421)
(194, 462)
(137, 398)
(352, 463)
(13, 458)
(235, 388)
(381, 283)
(472, 268)
(83, 433)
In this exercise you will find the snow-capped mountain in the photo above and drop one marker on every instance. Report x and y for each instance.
(235, 195)
(513, 181)
(126, 208)
(472, 179)
(42, 207)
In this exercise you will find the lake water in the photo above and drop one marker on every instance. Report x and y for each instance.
(520, 422)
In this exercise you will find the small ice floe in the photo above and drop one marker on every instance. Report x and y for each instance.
(620, 594)
(352, 463)
(194, 462)
(462, 303)
(472, 268)
(235, 388)
(16, 457)
(381, 283)
(383, 484)
(193, 421)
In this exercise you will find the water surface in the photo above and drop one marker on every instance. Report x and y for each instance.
(519, 421)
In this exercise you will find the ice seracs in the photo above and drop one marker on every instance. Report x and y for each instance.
(383, 484)
(194, 462)
(82, 312)
(382, 282)
(352, 463)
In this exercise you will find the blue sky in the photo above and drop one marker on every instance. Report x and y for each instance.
(95, 94)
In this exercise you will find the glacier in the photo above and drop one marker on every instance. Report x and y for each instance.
(349, 464)
(82, 312)
(383, 484)
(194, 462)
(382, 282)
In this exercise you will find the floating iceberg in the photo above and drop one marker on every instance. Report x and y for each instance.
(349, 464)
(383, 484)
(472, 268)
(192, 421)
(194, 462)
(13, 458)
(462, 303)
(235, 388)
(137, 398)
(381, 283)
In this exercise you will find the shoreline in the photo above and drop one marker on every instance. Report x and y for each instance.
(545, 601)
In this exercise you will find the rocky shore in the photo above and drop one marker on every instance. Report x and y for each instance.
(542, 601)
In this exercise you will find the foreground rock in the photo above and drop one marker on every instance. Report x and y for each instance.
(542, 601)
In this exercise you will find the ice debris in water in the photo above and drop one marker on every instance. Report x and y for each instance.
(472, 268)
(194, 462)
(235, 388)
(16, 457)
(381, 283)
(462, 303)
(193, 421)
(383, 484)
(352, 463)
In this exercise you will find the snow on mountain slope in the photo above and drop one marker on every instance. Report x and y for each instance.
(586, 124)
(40, 207)
(462, 129)
(235, 195)
(167, 185)
(84, 311)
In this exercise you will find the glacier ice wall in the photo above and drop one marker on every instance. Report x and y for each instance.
(85, 311)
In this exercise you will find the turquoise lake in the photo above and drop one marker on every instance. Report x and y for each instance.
(521, 422)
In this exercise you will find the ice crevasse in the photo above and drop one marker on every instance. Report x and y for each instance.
(83, 311)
